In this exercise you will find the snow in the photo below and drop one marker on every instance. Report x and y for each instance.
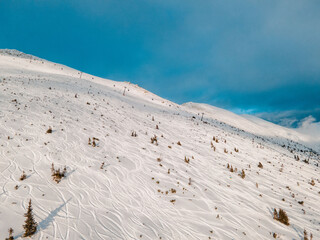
(127, 199)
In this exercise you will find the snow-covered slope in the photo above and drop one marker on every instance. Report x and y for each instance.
(254, 125)
(178, 187)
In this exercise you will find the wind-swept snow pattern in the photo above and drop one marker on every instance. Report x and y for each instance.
(135, 166)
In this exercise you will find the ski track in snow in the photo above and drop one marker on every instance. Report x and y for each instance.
(124, 200)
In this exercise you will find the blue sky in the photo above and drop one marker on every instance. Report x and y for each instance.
(260, 57)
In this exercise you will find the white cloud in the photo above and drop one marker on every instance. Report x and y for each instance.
(310, 127)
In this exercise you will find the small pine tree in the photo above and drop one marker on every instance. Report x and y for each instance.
(10, 234)
(30, 226)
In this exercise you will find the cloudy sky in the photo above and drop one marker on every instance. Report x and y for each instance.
(258, 57)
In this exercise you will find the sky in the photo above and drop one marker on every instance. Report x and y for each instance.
(253, 57)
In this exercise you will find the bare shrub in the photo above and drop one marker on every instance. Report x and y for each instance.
(312, 182)
(49, 130)
(57, 174)
(305, 235)
(102, 165)
(281, 216)
(94, 141)
(242, 174)
(23, 176)
(212, 146)
(154, 140)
